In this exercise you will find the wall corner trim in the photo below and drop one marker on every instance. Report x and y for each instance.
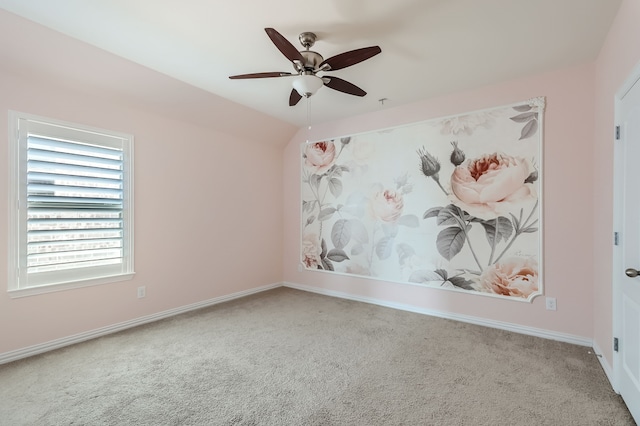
(608, 369)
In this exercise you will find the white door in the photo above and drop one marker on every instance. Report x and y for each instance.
(627, 305)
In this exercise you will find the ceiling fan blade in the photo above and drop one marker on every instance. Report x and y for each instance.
(341, 85)
(261, 75)
(294, 97)
(351, 57)
(284, 46)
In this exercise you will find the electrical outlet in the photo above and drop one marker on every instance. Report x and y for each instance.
(142, 292)
(551, 304)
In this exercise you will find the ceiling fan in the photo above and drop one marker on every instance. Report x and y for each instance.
(308, 63)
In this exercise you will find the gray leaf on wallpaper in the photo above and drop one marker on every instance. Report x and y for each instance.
(314, 181)
(495, 234)
(355, 204)
(424, 276)
(461, 282)
(327, 265)
(405, 252)
(432, 212)
(337, 255)
(357, 249)
(533, 176)
(311, 219)
(447, 217)
(524, 117)
(530, 230)
(450, 241)
(335, 186)
(384, 247)
(359, 231)
(337, 170)
(326, 213)
(409, 220)
(341, 233)
(443, 273)
(522, 108)
(516, 221)
(529, 129)
(323, 244)
(390, 229)
(455, 212)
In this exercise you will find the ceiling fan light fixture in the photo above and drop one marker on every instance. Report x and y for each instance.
(307, 84)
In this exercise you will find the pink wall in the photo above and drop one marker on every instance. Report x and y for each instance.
(568, 217)
(208, 200)
(620, 53)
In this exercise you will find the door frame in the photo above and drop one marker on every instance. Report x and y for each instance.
(618, 220)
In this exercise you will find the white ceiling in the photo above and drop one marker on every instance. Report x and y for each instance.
(429, 47)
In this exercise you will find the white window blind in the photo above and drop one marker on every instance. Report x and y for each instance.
(74, 194)
(73, 212)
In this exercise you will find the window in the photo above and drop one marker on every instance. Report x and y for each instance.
(71, 212)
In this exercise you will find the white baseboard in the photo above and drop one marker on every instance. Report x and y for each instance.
(92, 334)
(531, 331)
(99, 332)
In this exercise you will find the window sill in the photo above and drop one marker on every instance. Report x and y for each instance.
(32, 291)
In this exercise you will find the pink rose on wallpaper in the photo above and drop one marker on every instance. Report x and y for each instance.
(319, 156)
(516, 277)
(387, 205)
(311, 251)
(489, 186)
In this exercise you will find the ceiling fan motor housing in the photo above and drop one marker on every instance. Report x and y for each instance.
(311, 59)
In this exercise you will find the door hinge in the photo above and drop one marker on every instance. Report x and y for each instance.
(617, 133)
(616, 239)
(615, 344)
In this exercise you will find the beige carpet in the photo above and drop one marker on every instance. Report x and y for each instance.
(287, 357)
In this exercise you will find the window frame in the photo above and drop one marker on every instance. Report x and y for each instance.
(20, 125)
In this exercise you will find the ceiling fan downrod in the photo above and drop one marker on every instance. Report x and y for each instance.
(312, 60)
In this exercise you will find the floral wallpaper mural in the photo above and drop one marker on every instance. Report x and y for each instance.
(453, 203)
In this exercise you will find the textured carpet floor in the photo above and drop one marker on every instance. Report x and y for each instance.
(287, 357)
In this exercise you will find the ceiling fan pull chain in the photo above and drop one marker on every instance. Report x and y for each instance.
(308, 123)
